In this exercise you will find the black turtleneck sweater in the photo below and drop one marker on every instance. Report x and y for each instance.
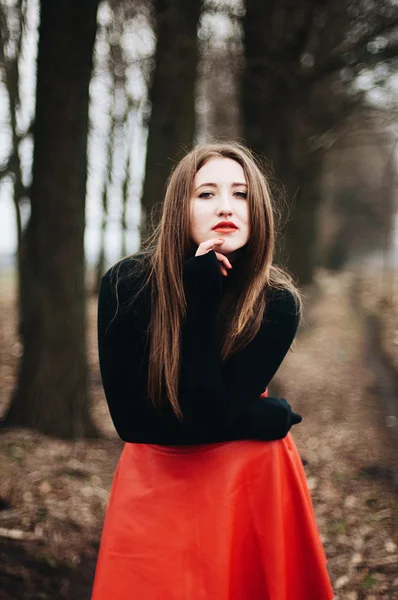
(219, 401)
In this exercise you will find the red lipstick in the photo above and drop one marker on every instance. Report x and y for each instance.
(225, 227)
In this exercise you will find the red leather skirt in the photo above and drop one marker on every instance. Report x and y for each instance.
(225, 521)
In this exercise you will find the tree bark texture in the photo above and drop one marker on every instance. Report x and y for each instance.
(172, 96)
(51, 393)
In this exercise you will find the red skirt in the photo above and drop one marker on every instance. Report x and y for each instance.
(225, 521)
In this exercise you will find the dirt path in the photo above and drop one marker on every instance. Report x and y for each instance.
(345, 445)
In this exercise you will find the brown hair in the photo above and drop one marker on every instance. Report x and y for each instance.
(163, 257)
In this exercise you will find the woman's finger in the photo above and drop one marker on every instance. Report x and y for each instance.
(209, 245)
(223, 259)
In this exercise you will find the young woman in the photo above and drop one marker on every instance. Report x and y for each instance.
(209, 499)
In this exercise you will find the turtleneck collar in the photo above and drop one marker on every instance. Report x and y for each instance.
(192, 251)
(228, 279)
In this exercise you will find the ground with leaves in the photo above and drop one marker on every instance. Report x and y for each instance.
(53, 494)
(379, 295)
(345, 444)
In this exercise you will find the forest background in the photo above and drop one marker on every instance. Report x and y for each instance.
(98, 100)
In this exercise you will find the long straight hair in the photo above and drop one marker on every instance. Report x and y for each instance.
(162, 259)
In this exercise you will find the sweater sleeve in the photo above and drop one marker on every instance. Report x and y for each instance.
(120, 349)
(216, 395)
(123, 364)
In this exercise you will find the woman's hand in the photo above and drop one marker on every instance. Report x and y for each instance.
(208, 245)
(202, 273)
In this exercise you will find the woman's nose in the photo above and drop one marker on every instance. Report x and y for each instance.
(225, 203)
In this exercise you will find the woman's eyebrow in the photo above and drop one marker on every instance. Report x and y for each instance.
(208, 184)
(215, 185)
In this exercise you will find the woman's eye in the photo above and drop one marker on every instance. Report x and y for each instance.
(210, 194)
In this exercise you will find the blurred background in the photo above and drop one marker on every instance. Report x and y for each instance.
(98, 100)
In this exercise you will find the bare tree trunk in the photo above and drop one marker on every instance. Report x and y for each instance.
(100, 267)
(125, 195)
(172, 96)
(116, 69)
(388, 197)
(301, 248)
(277, 122)
(12, 83)
(51, 393)
(298, 182)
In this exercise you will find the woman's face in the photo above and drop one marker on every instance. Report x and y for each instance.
(220, 194)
